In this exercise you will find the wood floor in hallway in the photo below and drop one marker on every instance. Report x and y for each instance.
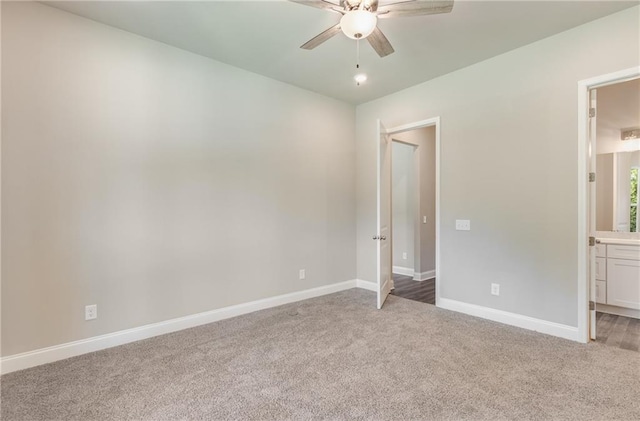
(406, 287)
(619, 331)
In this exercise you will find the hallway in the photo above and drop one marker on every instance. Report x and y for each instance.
(406, 287)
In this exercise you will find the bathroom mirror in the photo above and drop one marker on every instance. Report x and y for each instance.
(617, 191)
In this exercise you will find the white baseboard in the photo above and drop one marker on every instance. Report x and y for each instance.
(71, 349)
(368, 285)
(400, 270)
(513, 319)
(417, 276)
(619, 311)
(424, 276)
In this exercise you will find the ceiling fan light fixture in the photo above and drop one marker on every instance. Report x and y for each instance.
(358, 24)
(630, 134)
(360, 78)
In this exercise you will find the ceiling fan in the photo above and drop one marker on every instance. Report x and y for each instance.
(360, 18)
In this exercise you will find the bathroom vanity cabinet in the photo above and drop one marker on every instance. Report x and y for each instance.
(618, 275)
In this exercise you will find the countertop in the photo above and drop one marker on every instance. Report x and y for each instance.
(619, 241)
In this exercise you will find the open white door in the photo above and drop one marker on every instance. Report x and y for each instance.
(592, 214)
(383, 237)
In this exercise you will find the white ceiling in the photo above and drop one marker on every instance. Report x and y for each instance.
(263, 36)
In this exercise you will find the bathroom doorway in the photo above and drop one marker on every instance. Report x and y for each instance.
(610, 141)
(617, 153)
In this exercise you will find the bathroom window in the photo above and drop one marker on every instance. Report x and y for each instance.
(634, 201)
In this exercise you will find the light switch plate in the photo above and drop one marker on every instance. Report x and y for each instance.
(463, 225)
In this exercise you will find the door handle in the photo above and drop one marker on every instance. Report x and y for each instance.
(383, 238)
(375, 237)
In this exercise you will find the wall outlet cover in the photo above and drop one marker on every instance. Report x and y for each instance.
(463, 225)
(302, 275)
(91, 312)
(495, 289)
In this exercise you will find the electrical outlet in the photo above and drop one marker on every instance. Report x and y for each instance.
(91, 312)
(302, 275)
(404, 255)
(424, 219)
(463, 225)
(495, 289)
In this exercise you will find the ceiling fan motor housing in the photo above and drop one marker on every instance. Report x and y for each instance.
(368, 5)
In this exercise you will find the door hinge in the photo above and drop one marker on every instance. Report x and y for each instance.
(592, 305)
(592, 177)
(592, 241)
(592, 112)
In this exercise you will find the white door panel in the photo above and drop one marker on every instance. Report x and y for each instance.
(383, 236)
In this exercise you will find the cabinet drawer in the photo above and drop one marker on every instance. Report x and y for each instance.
(601, 292)
(601, 250)
(601, 269)
(623, 252)
(623, 283)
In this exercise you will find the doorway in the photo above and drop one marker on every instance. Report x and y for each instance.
(385, 235)
(413, 214)
(609, 241)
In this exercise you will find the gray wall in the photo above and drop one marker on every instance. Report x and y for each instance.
(403, 203)
(156, 183)
(427, 150)
(509, 164)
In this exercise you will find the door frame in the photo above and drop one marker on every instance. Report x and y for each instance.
(435, 122)
(584, 207)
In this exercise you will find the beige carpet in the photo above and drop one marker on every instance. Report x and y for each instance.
(336, 357)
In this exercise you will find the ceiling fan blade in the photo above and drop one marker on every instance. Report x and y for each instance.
(380, 43)
(415, 8)
(321, 4)
(319, 39)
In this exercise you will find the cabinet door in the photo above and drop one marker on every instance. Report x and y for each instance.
(601, 269)
(623, 283)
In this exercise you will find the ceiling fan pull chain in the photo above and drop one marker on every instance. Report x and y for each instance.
(358, 53)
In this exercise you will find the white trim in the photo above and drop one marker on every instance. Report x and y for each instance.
(512, 319)
(415, 125)
(368, 285)
(424, 276)
(71, 349)
(435, 121)
(583, 208)
(400, 270)
(417, 276)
